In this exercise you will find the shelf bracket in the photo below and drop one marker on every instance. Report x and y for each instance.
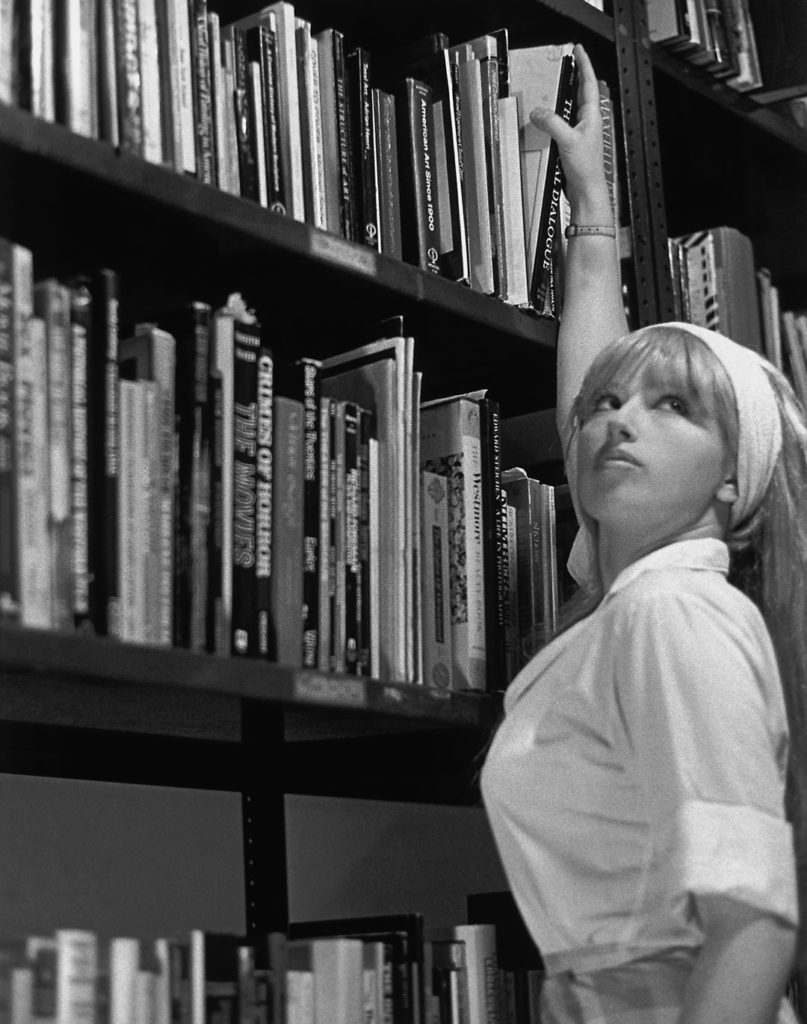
(264, 817)
(653, 286)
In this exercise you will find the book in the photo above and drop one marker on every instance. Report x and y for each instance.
(541, 76)
(386, 136)
(52, 305)
(436, 604)
(311, 126)
(214, 976)
(450, 446)
(449, 981)
(189, 325)
(150, 354)
(246, 342)
(234, 42)
(299, 1007)
(336, 149)
(286, 595)
(262, 978)
(338, 968)
(367, 613)
(420, 244)
(41, 954)
(177, 70)
(129, 85)
(363, 146)
(403, 933)
(524, 495)
(81, 333)
(262, 43)
(352, 596)
(379, 377)
(151, 86)
(75, 58)
(204, 140)
(124, 965)
(264, 463)
(223, 113)
(288, 117)
(517, 293)
(76, 976)
(741, 36)
(325, 588)
(476, 191)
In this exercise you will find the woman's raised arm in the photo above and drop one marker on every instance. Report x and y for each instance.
(593, 313)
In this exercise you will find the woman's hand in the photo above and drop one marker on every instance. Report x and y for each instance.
(580, 147)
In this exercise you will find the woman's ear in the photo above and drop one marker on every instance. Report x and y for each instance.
(727, 491)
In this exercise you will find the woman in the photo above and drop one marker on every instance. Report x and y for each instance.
(636, 786)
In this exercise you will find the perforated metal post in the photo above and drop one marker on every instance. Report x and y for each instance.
(264, 818)
(654, 294)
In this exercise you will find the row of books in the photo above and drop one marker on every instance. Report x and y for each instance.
(387, 969)
(718, 283)
(177, 484)
(425, 152)
(752, 46)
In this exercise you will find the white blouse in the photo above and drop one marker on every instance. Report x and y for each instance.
(641, 761)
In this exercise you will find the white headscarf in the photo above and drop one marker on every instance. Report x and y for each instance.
(760, 426)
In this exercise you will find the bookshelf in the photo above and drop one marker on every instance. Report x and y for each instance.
(83, 707)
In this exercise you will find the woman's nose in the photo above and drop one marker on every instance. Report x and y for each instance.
(621, 426)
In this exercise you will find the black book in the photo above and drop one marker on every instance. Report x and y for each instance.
(543, 297)
(190, 326)
(81, 331)
(363, 146)
(103, 453)
(303, 380)
(215, 532)
(419, 209)
(780, 27)
(336, 130)
(244, 124)
(266, 639)
(261, 44)
(365, 622)
(494, 525)
(9, 545)
(247, 338)
(202, 93)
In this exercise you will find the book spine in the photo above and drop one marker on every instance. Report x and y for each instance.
(52, 303)
(33, 477)
(497, 590)
(9, 546)
(127, 520)
(333, 546)
(352, 570)
(245, 142)
(268, 60)
(363, 145)
(157, 629)
(489, 71)
(437, 655)
(245, 425)
(181, 76)
(129, 86)
(542, 284)
(80, 320)
(343, 135)
(367, 565)
(287, 576)
(150, 82)
(323, 543)
(386, 140)
(215, 543)
(267, 642)
(76, 976)
(418, 186)
(202, 93)
(104, 453)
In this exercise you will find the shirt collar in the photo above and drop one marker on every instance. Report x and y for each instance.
(705, 553)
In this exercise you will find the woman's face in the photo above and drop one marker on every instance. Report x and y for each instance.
(651, 457)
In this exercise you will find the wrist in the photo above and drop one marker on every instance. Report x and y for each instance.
(593, 207)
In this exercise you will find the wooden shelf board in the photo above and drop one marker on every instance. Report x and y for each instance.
(70, 680)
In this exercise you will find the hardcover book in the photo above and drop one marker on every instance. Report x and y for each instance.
(287, 531)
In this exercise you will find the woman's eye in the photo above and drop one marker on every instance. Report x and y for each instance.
(605, 402)
(676, 404)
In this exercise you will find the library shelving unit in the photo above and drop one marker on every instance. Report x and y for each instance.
(86, 707)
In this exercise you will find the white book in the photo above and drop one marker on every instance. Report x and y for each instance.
(475, 179)
(177, 17)
(373, 982)
(256, 93)
(124, 964)
(450, 445)
(311, 125)
(150, 81)
(76, 976)
(156, 585)
(436, 598)
(43, 59)
(76, 66)
(513, 222)
(21, 998)
(222, 103)
(33, 480)
(482, 970)
(107, 92)
(375, 549)
(134, 509)
(228, 63)
(6, 51)
(338, 964)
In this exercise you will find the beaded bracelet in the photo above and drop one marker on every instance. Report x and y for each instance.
(591, 229)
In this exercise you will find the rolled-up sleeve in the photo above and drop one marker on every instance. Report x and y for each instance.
(701, 709)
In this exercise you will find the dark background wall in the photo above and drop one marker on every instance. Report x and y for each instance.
(148, 861)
